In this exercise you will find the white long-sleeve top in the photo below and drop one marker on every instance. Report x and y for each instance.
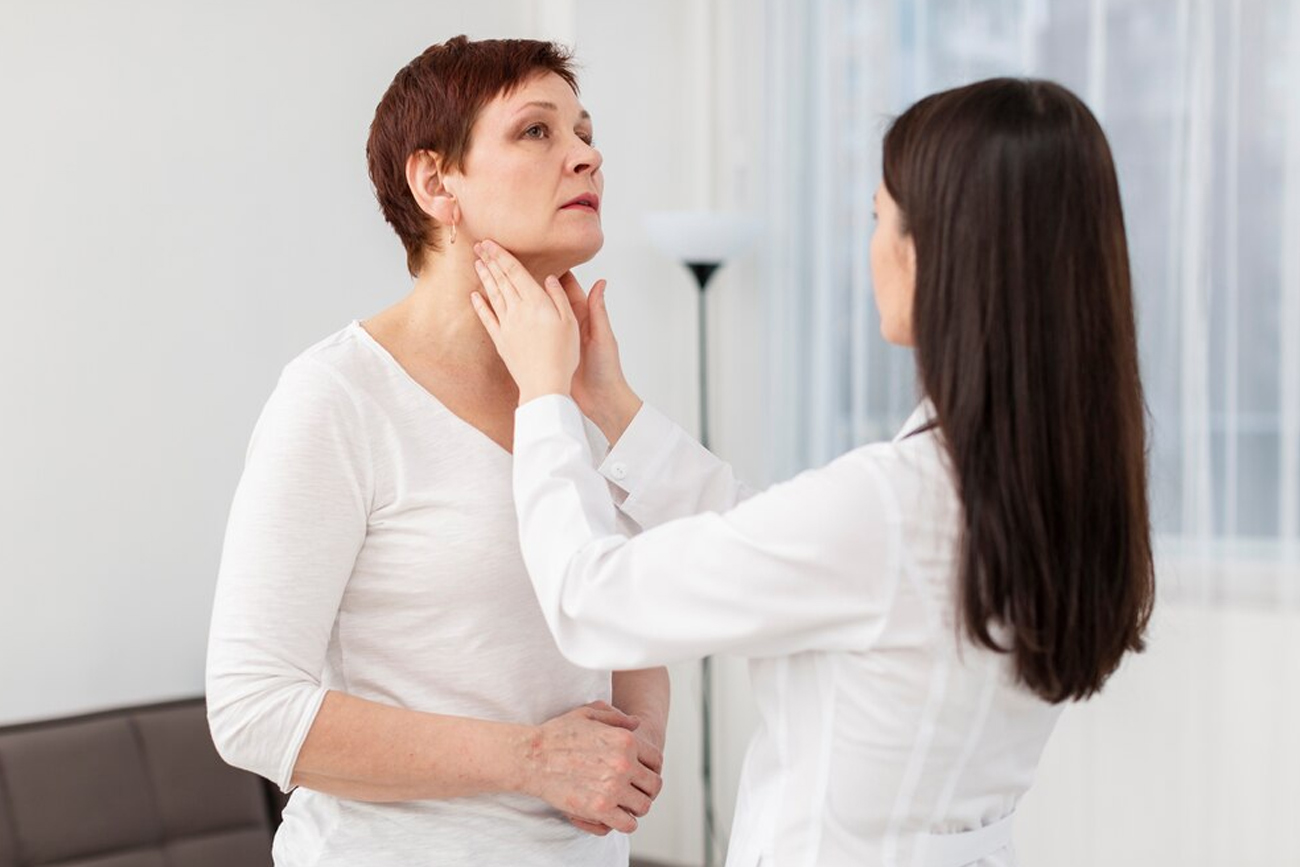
(371, 549)
(883, 735)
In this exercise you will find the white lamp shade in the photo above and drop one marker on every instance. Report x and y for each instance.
(702, 236)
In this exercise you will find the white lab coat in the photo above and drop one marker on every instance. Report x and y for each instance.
(884, 737)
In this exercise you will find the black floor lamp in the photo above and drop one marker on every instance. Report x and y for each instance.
(703, 241)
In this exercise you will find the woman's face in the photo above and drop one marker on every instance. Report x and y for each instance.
(893, 270)
(531, 179)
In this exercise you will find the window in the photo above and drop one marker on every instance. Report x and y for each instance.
(1201, 102)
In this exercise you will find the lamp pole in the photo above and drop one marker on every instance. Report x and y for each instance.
(703, 271)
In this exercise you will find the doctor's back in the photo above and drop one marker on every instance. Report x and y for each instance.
(888, 754)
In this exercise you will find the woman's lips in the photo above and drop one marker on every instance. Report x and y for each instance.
(586, 202)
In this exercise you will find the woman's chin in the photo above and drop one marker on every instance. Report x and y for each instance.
(587, 252)
(558, 259)
(583, 246)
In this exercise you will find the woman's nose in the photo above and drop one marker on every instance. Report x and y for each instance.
(586, 159)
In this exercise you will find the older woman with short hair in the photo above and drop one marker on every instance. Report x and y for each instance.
(376, 646)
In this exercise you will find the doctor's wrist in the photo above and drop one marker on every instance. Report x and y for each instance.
(613, 412)
(532, 391)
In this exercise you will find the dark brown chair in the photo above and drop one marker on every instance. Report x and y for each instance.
(137, 787)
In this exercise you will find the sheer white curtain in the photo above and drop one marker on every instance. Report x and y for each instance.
(1201, 102)
(832, 79)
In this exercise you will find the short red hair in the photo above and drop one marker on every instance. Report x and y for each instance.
(432, 105)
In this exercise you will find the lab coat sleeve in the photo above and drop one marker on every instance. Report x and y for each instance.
(600, 448)
(809, 564)
(664, 473)
(296, 525)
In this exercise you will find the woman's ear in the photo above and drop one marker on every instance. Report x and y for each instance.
(428, 185)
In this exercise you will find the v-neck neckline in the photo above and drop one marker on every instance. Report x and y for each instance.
(369, 339)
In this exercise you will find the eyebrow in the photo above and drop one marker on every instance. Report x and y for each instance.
(585, 115)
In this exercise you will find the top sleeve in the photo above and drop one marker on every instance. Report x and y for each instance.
(664, 473)
(809, 564)
(296, 525)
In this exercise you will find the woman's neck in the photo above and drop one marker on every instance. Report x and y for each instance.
(437, 322)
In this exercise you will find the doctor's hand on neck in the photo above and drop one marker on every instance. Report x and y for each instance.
(539, 328)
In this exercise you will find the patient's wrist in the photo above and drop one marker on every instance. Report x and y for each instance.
(528, 758)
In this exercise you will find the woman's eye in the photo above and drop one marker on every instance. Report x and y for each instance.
(588, 138)
(537, 130)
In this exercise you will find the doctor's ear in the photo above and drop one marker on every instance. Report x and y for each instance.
(428, 184)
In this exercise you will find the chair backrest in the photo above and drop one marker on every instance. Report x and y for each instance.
(135, 787)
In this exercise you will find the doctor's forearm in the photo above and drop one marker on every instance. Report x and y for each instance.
(644, 694)
(613, 412)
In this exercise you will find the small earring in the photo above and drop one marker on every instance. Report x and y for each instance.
(453, 233)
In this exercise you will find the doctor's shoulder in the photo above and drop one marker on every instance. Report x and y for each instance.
(914, 470)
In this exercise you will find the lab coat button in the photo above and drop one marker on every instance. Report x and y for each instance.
(618, 470)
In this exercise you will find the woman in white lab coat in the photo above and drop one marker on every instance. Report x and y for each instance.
(917, 611)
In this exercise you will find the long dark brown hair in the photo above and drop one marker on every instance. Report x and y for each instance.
(1026, 345)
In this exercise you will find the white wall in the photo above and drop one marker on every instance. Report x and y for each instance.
(1189, 757)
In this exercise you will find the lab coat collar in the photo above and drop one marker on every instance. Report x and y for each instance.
(922, 415)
